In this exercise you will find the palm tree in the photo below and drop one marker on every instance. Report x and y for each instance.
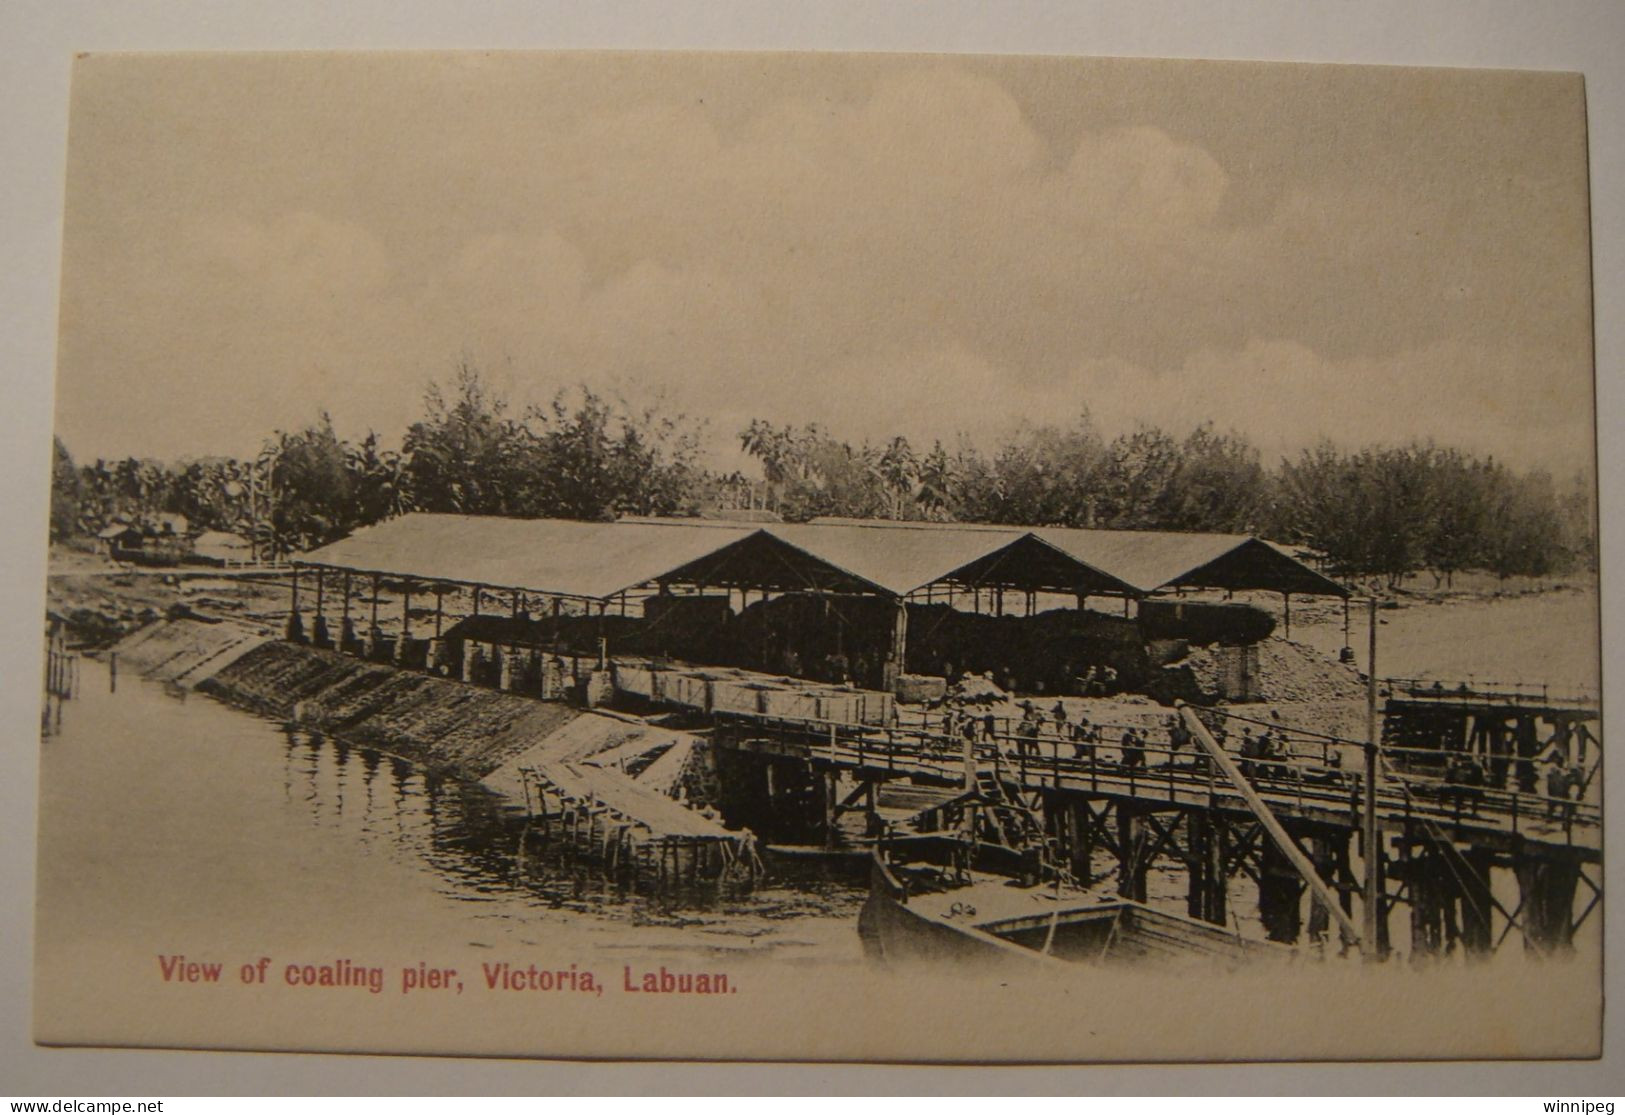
(939, 477)
(897, 468)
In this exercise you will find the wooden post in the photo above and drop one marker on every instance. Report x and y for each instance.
(1080, 842)
(439, 607)
(831, 788)
(896, 648)
(1278, 835)
(1206, 898)
(318, 627)
(346, 632)
(1547, 888)
(1131, 853)
(295, 631)
(1370, 845)
(1286, 605)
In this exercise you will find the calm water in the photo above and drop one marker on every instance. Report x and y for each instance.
(169, 817)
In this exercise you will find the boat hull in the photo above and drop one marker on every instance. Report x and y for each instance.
(895, 931)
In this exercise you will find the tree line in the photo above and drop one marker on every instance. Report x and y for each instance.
(1380, 511)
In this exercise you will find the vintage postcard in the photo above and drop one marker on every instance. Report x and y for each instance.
(822, 557)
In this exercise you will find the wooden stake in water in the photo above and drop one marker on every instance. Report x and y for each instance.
(1373, 853)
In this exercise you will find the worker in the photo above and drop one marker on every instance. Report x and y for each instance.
(1464, 780)
(1133, 749)
(1274, 754)
(1250, 752)
(1084, 736)
(1028, 730)
(1561, 782)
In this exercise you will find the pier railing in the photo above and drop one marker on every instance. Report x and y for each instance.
(1480, 691)
(1159, 770)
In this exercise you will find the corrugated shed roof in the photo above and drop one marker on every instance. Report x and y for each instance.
(1146, 559)
(1149, 560)
(220, 538)
(562, 556)
(895, 556)
(598, 560)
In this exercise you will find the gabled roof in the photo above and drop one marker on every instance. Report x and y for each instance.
(898, 557)
(561, 556)
(1153, 560)
(600, 560)
(890, 559)
(1147, 561)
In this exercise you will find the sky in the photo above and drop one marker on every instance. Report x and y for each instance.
(926, 245)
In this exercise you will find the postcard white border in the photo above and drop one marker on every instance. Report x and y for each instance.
(36, 42)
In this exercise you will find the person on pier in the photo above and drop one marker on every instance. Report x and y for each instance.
(1133, 750)
(1027, 732)
(1085, 739)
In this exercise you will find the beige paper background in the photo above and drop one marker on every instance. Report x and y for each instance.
(24, 778)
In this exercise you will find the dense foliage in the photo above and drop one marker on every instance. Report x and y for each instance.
(1380, 511)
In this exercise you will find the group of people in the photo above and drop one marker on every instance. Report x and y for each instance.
(1098, 681)
(1262, 755)
(1465, 778)
(1086, 739)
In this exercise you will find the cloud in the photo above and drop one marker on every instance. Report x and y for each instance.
(1143, 179)
(929, 246)
(1285, 396)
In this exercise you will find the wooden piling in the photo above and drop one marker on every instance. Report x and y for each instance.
(1131, 861)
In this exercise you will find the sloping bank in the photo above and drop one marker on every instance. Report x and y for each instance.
(605, 772)
(443, 725)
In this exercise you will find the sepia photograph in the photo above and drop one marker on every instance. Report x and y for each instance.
(823, 557)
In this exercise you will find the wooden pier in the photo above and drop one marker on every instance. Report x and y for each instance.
(1439, 847)
(1105, 812)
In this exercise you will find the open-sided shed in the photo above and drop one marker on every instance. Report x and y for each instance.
(888, 566)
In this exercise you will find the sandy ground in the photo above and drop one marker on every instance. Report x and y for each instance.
(1525, 636)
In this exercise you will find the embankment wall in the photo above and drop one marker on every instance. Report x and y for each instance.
(443, 725)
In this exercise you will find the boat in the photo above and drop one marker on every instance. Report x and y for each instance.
(968, 879)
(933, 898)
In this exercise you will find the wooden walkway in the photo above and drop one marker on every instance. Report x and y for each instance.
(1299, 789)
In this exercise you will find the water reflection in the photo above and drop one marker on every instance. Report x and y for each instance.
(476, 847)
(260, 832)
